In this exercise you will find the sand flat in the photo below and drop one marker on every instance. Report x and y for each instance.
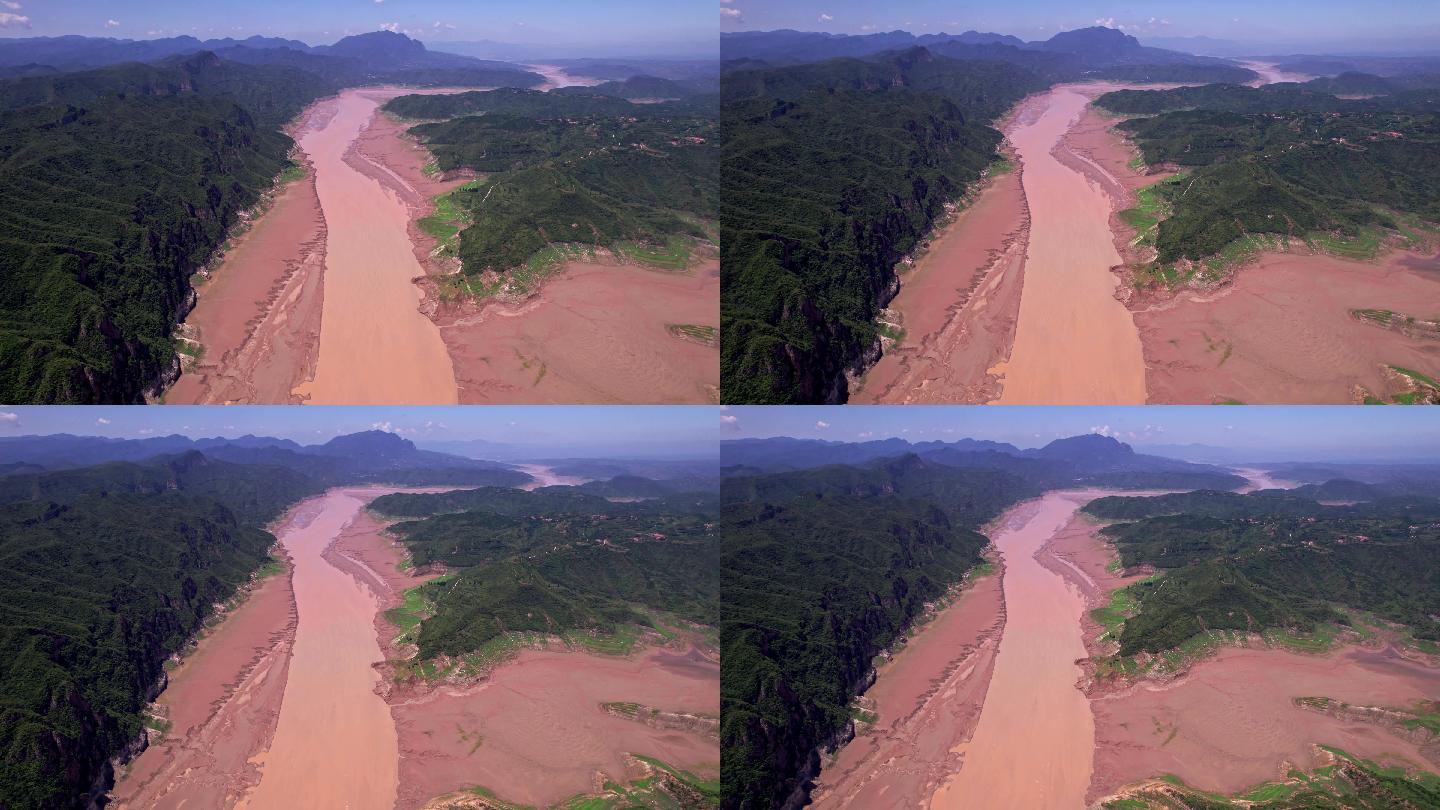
(1281, 332)
(596, 333)
(958, 306)
(534, 732)
(375, 345)
(1075, 343)
(1230, 724)
(258, 317)
(222, 704)
(928, 700)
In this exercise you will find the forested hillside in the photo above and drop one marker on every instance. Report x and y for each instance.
(117, 185)
(567, 174)
(821, 570)
(554, 562)
(832, 173)
(1287, 163)
(1260, 562)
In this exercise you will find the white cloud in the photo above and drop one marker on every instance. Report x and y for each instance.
(727, 2)
(825, 18)
(379, 2)
(9, 418)
(729, 422)
(145, 431)
(10, 5)
(821, 425)
(102, 421)
(731, 13)
(112, 23)
(8, 20)
(391, 27)
(867, 27)
(1106, 22)
(864, 434)
(1103, 430)
(385, 426)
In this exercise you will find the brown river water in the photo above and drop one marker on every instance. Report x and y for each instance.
(1075, 343)
(335, 745)
(376, 347)
(1034, 744)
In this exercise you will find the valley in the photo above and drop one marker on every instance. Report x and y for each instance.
(1110, 641)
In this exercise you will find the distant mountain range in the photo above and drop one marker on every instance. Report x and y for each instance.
(376, 54)
(1079, 460)
(1067, 55)
(368, 456)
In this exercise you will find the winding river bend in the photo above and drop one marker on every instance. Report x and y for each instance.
(376, 347)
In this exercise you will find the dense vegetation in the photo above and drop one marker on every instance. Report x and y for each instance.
(821, 570)
(1262, 561)
(555, 562)
(118, 184)
(833, 172)
(1285, 162)
(574, 171)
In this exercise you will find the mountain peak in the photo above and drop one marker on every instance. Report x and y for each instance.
(1094, 41)
(373, 443)
(1089, 447)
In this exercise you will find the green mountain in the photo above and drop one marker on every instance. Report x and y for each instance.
(1258, 562)
(1286, 163)
(832, 172)
(117, 185)
(555, 562)
(568, 173)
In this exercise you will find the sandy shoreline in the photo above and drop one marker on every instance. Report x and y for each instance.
(258, 316)
(958, 306)
(1229, 722)
(1281, 331)
(927, 699)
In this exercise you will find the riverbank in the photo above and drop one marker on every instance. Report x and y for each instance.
(1232, 720)
(1283, 330)
(957, 307)
(926, 701)
(539, 727)
(597, 332)
(219, 708)
(256, 321)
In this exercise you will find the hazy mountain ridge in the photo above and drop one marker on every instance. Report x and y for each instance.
(1090, 458)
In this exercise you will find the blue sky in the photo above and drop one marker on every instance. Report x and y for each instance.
(324, 21)
(1270, 20)
(644, 431)
(1333, 432)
